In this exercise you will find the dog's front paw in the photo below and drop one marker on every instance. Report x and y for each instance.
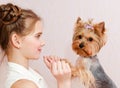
(73, 68)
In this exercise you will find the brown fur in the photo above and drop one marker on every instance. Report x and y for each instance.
(88, 39)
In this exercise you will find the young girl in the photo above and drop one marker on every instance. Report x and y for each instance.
(20, 39)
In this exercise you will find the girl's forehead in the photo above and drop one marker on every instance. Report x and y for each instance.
(38, 28)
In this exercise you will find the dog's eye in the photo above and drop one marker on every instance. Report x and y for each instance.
(80, 36)
(90, 39)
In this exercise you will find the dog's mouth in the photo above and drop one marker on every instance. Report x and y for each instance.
(84, 53)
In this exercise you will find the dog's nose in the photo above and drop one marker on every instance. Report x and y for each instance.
(81, 45)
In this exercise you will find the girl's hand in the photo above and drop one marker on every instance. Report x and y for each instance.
(60, 70)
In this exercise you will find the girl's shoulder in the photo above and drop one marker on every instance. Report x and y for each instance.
(23, 83)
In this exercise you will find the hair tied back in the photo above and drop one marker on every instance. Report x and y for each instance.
(9, 13)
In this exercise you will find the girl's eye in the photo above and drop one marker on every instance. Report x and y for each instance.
(38, 36)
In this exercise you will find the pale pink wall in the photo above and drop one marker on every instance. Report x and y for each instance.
(59, 18)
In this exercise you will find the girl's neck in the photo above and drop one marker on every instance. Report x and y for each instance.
(19, 60)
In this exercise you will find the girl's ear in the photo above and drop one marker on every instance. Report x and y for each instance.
(15, 40)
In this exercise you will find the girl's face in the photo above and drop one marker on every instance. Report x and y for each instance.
(31, 45)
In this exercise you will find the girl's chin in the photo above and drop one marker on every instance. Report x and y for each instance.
(35, 58)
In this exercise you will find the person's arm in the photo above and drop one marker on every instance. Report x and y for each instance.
(23, 83)
(60, 70)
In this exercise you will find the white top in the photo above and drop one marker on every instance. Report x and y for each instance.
(17, 72)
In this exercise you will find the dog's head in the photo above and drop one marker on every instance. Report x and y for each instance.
(88, 38)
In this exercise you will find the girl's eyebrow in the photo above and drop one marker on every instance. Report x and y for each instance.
(39, 33)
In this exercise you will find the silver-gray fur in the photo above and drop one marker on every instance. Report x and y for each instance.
(102, 79)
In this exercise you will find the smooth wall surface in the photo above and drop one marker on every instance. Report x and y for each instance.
(59, 17)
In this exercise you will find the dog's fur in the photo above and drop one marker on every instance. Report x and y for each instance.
(88, 39)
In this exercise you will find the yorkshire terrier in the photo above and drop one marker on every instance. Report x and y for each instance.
(88, 39)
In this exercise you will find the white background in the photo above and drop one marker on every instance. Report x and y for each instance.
(59, 17)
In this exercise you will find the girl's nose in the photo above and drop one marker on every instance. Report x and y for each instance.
(42, 43)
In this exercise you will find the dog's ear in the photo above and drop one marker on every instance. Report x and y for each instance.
(78, 20)
(100, 28)
(79, 24)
